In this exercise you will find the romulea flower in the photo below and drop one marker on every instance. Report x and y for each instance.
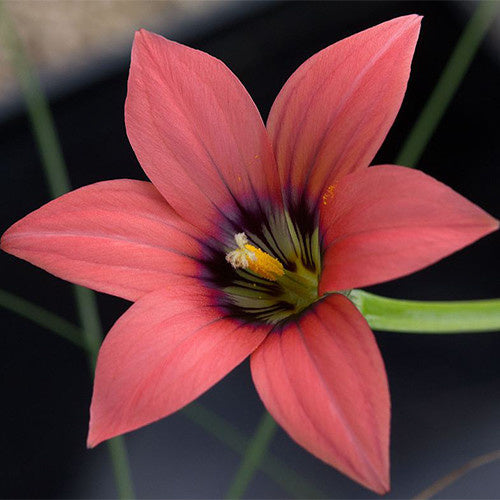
(248, 239)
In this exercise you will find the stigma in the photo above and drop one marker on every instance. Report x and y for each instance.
(247, 256)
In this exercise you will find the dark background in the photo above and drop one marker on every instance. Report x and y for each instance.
(445, 388)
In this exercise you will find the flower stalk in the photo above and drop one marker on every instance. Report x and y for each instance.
(415, 316)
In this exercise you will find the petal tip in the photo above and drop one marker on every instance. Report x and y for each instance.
(3, 241)
(488, 224)
(6, 240)
(92, 442)
(142, 33)
(414, 22)
(411, 22)
(412, 18)
(385, 485)
(384, 491)
(94, 437)
(143, 37)
(379, 481)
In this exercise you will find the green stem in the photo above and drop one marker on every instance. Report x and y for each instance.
(415, 316)
(89, 319)
(38, 111)
(92, 333)
(42, 317)
(222, 429)
(448, 83)
(254, 453)
(56, 174)
(121, 467)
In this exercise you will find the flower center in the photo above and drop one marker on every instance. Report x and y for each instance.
(275, 273)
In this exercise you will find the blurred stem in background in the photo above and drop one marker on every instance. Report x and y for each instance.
(390, 314)
(448, 83)
(57, 178)
(42, 317)
(290, 481)
(453, 476)
(253, 455)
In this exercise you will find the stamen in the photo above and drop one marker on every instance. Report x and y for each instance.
(247, 256)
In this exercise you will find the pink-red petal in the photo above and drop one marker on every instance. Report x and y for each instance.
(334, 112)
(389, 221)
(197, 133)
(322, 378)
(119, 237)
(166, 350)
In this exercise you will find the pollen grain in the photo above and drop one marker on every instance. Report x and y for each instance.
(329, 193)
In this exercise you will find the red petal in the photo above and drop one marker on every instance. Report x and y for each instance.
(118, 237)
(167, 349)
(334, 112)
(389, 221)
(322, 378)
(196, 132)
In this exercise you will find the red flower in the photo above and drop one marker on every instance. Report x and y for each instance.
(245, 234)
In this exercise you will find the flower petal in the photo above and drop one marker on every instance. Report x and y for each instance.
(119, 237)
(196, 132)
(166, 350)
(389, 221)
(322, 378)
(334, 112)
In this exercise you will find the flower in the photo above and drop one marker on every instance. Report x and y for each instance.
(248, 238)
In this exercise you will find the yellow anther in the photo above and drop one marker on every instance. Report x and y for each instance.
(264, 265)
(247, 256)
